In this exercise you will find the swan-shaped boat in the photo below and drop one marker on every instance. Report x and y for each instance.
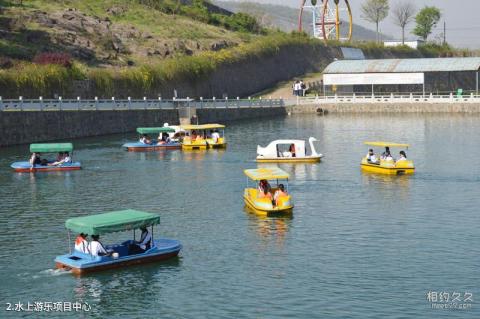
(387, 165)
(288, 151)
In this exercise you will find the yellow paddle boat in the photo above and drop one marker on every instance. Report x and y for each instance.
(201, 137)
(288, 151)
(264, 199)
(386, 164)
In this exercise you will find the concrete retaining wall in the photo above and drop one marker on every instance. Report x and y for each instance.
(388, 108)
(233, 114)
(23, 127)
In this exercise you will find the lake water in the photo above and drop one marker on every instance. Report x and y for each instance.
(357, 246)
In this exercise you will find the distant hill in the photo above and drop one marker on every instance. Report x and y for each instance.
(285, 18)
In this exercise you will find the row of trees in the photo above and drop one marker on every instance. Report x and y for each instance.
(403, 13)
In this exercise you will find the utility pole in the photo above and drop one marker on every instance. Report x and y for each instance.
(444, 32)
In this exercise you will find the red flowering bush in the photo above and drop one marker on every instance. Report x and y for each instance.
(63, 59)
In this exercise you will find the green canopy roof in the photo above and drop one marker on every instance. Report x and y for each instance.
(153, 130)
(111, 222)
(51, 147)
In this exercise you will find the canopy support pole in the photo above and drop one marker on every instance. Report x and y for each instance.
(476, 87)
(69, 242)
(151, 239)
(373, 93)
(423, 89)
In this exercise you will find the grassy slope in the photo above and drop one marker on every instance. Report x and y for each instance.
(161, 26)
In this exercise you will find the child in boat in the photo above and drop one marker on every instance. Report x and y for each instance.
(264, 185)
(215, 136)
(292, 150)
(145, 139)
(279, 193)
(386, 154)
(81, 243)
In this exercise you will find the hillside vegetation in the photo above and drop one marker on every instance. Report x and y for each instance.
(119, 32)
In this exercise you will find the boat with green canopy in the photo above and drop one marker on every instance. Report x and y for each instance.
(63, 161)
(145, 143)
(86, 257)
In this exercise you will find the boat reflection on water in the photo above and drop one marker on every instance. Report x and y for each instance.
(141, 281)
(268, 228)
(389, 185)
(198, 155)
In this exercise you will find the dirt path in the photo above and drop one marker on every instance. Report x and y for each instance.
(284, 89)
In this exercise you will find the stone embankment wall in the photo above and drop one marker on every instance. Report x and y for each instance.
(23, 127)
(387, 108)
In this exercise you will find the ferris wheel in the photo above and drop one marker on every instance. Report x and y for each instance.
(332, 19)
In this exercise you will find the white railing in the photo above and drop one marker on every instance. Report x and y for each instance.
(389, 98)
(78, 104)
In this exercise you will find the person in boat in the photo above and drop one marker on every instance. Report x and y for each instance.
(65, 160)
(264, 185)
(279, 193)
(145, 139)
(265, 193)
(142, 245)
(60, 156)
(96, 248)
(371, 157)
(35, 159)
(81, 243)
(193, 136)
(403, 156)
(386, 153)
(292, 150)
(215, 136)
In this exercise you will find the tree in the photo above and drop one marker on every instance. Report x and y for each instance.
(375, 11)
(426, 20)
(402, 15)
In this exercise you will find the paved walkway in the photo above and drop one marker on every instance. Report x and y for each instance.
(284, 89)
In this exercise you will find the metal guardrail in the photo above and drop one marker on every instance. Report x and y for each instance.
(392, 98)
(131, 104)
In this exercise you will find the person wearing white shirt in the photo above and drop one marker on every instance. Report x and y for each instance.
(96, 248)
(215, 136)
(371, 157)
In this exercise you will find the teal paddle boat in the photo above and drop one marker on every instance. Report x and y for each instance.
(145, 143)
(86, 260)
(63, 161)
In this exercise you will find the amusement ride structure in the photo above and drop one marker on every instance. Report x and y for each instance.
(328, 18)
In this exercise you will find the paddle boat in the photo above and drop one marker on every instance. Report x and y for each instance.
(154, 145)
(288, 151)
(386, 165)
(201, 137)
(64, 163)
(267, 205)
(119, 255)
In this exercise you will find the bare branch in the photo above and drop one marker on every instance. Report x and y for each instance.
(403, 13)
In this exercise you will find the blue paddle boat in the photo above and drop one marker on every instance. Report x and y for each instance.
(146, 144)
(119, 255)
(60, 164)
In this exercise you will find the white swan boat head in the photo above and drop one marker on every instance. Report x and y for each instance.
(288, 151)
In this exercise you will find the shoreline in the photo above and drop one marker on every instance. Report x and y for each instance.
(383, 108)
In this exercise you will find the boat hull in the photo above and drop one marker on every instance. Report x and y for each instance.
(25, 167)
(80, 264)
(379, 169)
(306, 159)
(140, 147)
(263, 208)
(191, 147)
